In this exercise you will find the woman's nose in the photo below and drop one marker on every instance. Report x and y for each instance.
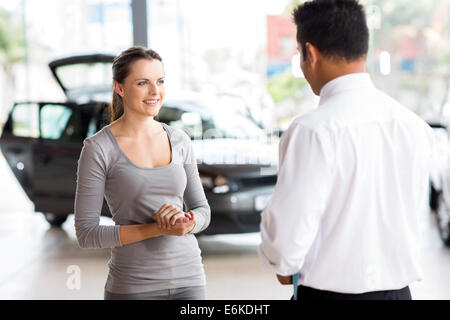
(153, 89)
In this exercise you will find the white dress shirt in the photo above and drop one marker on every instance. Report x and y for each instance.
(352, 181)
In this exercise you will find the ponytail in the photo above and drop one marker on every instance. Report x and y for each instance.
(116, 108)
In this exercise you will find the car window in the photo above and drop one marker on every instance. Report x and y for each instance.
(237, 126)
(92, 128)
(85, 75)
(222, 124)
(190, 122)
(25, 120)
(54, 121)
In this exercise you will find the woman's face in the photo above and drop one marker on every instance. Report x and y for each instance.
(143, 90)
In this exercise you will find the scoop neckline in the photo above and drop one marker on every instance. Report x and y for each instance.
(116, 143)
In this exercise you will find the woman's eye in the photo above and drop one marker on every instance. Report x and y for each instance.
(161, 81)
(142, 83)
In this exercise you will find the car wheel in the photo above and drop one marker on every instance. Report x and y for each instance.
(54, 219)
(443, 220)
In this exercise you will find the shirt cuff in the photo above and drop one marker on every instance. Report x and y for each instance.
(272, 266)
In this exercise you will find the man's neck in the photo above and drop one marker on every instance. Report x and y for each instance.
(333, 70)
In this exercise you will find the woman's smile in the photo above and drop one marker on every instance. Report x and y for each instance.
(151, 102)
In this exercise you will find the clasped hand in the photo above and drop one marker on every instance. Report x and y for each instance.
(173, 221)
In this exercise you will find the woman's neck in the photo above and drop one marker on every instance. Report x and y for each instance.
(136, 126)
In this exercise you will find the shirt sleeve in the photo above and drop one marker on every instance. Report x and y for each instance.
(91, 176)
(291, 220)
(194, 195)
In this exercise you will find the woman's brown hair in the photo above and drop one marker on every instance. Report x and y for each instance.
(121, 69)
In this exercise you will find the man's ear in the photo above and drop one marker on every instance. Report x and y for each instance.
(312, 54)
(118, 88)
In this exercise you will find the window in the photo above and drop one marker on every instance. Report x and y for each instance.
(86, 75)
(25, 121)
(218, 125)
(92, 128)
(190, 122)
(55, 122)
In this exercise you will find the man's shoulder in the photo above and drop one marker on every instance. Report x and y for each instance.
(313, 122)
(316, 119)
(403, 113)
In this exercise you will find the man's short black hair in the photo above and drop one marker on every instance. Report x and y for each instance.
(337, 28)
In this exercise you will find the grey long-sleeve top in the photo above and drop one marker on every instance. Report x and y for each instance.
(133, 193)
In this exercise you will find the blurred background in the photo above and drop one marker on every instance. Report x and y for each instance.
(241, 53)
(242, 48)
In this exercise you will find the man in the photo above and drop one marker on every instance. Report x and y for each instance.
(353, 173)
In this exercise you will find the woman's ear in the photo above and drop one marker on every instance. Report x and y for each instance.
(118, 88)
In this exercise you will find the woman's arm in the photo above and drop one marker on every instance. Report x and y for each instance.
(136, 233)
(139, 232)
(91, 177)
(194, 195)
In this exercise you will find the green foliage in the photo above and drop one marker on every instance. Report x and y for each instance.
(11, 40)
(285, 85)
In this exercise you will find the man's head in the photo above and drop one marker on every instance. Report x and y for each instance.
(332, 38)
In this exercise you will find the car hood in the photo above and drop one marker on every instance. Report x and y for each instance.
(237, 156)
(84, 77)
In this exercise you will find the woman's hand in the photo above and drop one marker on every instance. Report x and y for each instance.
(168, 215)
(182, 226)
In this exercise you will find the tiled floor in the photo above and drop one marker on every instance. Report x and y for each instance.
(39, 262)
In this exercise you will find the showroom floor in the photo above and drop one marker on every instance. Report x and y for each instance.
(39, 262)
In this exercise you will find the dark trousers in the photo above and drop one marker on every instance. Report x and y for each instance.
(310, 294)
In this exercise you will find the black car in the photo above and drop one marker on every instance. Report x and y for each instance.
(42, 141)
(440, 178)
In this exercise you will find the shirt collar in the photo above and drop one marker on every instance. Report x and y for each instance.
(352, 81)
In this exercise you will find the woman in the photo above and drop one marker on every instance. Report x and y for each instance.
(145, 170)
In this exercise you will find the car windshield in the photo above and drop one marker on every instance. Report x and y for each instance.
(202, 122)
(235, 125)
(86, 75)
(218, 124)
